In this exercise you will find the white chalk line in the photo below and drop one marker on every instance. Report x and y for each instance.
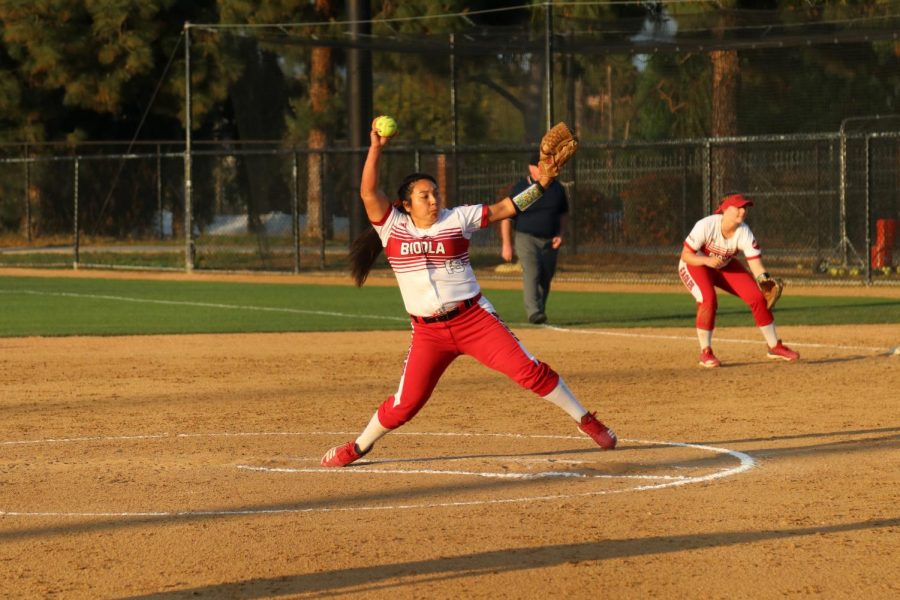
(491, 475)
(746, 463)
(718, 339)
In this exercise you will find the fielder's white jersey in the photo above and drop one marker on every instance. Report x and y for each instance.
(432, 265)
(706, 238)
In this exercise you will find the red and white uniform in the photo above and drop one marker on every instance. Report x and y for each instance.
(432, 265)
(706, 239)
(435, 275)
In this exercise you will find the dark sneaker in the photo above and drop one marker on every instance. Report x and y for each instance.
(343, 455)
(782, 352)
(708, 359)
(600, 433)
(537, 318)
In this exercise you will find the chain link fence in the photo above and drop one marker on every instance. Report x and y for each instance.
(826, 206)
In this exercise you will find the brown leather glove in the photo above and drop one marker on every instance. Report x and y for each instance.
(771, 289)
(557, 146)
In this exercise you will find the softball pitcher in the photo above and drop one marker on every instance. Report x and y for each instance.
(706, 263)
(427, 247)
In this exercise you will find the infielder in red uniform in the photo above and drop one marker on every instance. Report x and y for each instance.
(427, 247)
(706, 263)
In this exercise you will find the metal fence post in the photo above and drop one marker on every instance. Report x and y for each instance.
(27, 196)
(159, 205)
(842, 197)
(572, 232)
(295, 210)
(454, 119)
(188, 185)
(867, 250)
(684, 180)
(707, 177)
(548, 61)
(322, 179)
(76, 241)
(816, 196)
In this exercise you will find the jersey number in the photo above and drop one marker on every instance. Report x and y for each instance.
(454, 266)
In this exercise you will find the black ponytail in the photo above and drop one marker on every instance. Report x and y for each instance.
(363, 252)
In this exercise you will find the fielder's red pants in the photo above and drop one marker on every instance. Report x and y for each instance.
(477, 332)
(734, 278)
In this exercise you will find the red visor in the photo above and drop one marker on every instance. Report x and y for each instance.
(733, 200)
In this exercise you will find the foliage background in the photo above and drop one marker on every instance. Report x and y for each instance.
(77, 71)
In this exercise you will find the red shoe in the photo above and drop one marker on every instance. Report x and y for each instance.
(343, 455)
(781, 351)
(708, 359)
(600, 433)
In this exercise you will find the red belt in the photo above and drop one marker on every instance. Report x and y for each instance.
(450, 314)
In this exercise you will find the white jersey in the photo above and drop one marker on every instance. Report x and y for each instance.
(432, 265)
(706, 238)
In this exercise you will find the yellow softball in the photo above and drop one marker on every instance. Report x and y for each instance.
(385, 126)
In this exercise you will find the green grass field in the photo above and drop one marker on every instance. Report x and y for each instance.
(52, 307)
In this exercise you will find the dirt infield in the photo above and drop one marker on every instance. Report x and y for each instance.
(177, 467)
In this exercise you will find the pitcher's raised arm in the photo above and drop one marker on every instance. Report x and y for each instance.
(375, 201)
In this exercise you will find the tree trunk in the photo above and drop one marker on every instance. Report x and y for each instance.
(725, 78)
(726, 72)
(318, 212)
(315, 195)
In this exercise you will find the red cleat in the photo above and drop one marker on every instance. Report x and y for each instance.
(782, 352)
(341, 456)
(600, 433)
(708, 359)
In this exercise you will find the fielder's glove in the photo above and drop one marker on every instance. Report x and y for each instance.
(557, 146)
(771, 289)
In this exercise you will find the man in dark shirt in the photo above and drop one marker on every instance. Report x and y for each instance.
(538, 235)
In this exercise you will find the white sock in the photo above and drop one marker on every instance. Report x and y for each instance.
(705, 338)
(769, 333)
(373, 432)
(563, 397)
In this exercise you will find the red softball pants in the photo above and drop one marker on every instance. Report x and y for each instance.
(734, 278)
(478, 332)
